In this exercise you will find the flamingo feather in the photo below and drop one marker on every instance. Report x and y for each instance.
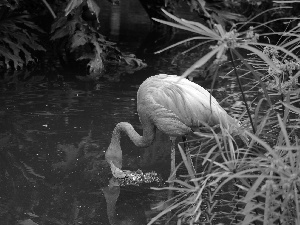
(173, 105)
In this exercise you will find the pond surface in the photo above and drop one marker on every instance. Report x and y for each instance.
(54, 136)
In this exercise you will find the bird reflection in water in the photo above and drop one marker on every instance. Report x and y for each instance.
(124, 212)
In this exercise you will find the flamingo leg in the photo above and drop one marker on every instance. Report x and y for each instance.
(173, 165)
(188, 154)
(172, 171)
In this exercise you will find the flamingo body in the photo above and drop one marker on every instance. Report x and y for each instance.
(171, 104)
(175, 105)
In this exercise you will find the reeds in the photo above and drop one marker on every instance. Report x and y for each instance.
(246, 183)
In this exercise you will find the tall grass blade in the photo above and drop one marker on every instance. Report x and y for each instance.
(263, 12)
(190, 168)
(199, 27)
(287, 52)
(163, 213)
(255, 73)
(293, 108)
(262, 143)
(201, 61)
(257, 110)
(261, 55)
(181, 42)
(177, 26)
(283, 131)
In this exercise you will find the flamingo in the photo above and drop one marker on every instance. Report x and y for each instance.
(172, 104)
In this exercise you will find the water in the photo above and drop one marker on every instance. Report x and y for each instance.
(53, 141)
(54, 135)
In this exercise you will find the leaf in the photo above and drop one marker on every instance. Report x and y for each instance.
(176, 25)
(165, 211)
(133, 61)
(197, 27)
(96, 65)
(17, 48)
(283, 130)
(265, 58)
(18, 39)
(230, 16)
(17, 61)
(255, 73)
(266, 147)
(291, 107)
(60, 22)
(94, 8)
(201, 61)
(86, 56)
(79, 39)
(72, 5)
(188, 164)
(66, 30)
(189, 26)
(7, 56)
(250, 218)
(184, 41)
(60, 34)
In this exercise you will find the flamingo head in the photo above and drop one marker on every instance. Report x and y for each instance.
(113, 155)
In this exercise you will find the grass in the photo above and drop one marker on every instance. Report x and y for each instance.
(263, 180)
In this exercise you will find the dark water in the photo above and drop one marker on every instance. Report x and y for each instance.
(54, 135)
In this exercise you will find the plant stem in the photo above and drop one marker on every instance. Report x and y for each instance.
(241, 88)
(282, 106)
(49, 8)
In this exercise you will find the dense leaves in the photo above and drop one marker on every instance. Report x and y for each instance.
(263, 173)
(76, 34)
(18, 39)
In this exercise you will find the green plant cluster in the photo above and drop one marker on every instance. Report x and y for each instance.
(286, 78)
(77, 34)
(19, 36)
(77, 31)
(74, 35)
(256, 181)
(76, 28)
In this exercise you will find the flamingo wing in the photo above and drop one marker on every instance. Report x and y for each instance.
(169, 99)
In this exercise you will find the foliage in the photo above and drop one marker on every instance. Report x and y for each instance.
(251, 8)
(75, 30)
(221, 11)
(255, 184)
(286, 79)
(230, 40)
(263, 176)
(80, 35)
(18, 37)
(92, 5)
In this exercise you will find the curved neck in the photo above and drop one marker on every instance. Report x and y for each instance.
(114, 152)
(138, 140)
